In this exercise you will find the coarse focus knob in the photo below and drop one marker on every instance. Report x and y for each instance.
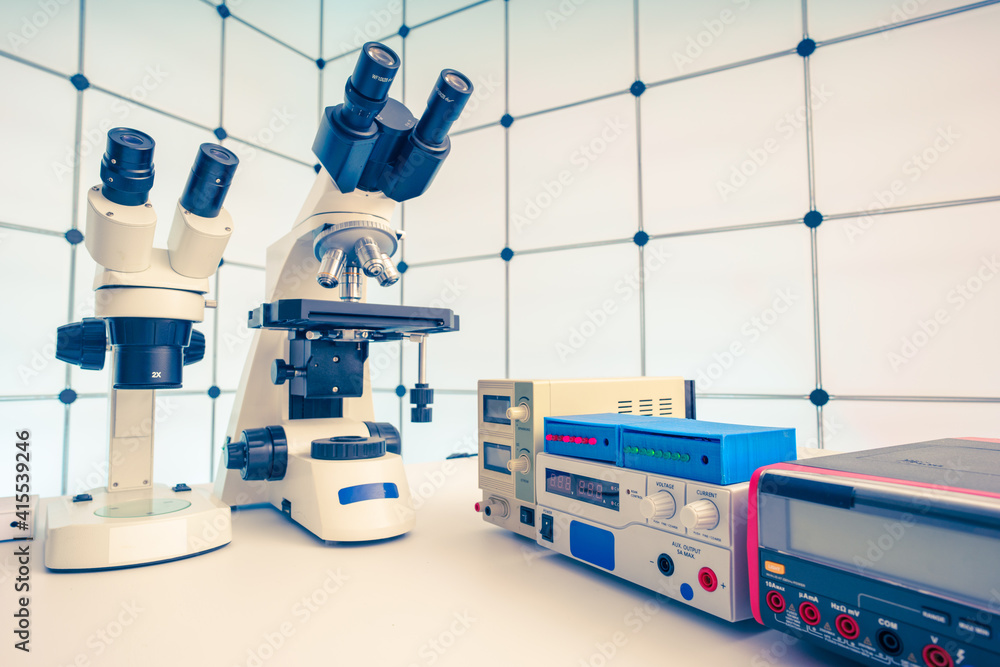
(659, 505)
(195, 350)
(521, 464)
(83, 343)
(519, 412)
(281, 371)
(700, 515)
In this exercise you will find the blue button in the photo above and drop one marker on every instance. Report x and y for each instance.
(376, 491)
(592, 545)
(686, 591)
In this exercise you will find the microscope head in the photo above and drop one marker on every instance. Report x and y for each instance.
(373, 143)
(149, 298)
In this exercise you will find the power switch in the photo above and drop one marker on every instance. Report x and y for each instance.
(528, 516)
(546, 530)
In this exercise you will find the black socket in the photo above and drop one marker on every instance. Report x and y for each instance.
(210, 178)
(444, 106)
(127, 166)
(368, 88)
(150, 351)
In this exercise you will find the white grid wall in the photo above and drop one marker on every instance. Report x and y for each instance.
(791, 202)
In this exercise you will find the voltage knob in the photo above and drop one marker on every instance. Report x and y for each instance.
(700, 515)
(659, 505)
(519, 413)
(521, 464)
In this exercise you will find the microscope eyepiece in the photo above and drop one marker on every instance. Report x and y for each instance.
(210, 178)
(368, 88)
(444, 106)
(127, 166)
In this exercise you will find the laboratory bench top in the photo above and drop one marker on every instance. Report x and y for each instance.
(454, 591)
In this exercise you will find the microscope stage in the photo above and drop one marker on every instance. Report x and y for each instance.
(385, 321)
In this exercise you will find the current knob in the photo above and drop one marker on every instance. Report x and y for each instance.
(700, 515)
(521, 464)
(659, 505)
(519, 413)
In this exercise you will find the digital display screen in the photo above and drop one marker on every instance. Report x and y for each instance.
(495, 409)
(496, 457)
(598, 492)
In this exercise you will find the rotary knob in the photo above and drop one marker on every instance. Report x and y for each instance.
(521, 464)
(700, 515)
(519, 413)
(195, 350)
(659, 505)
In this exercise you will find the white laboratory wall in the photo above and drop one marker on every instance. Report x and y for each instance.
(654, 228)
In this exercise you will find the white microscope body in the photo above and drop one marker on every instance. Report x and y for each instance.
(146, 301)
(302, 436)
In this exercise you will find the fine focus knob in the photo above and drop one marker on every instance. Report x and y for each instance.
(195, 350)
(521, 464)
(281, 371)
(700, 515)
(519, 412)
(659, 505)
(83, 343)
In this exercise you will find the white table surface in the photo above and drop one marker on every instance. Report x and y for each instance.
(454, 591)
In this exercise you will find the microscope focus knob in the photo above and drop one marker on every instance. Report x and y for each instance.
(83, 343)
(281, 371)
(519, 413)
(700, 515)
(260, 454)
(659, 505)
(195, 350)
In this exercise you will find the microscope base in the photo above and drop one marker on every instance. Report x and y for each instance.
(131, 528)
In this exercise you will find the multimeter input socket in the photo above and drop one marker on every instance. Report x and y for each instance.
(849, 628)
(890, 642)
(665, 564)
(775, 601)
(935, 656)
(809, 613)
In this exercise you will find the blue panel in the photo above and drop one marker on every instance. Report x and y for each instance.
(592, 545)
(361, 492)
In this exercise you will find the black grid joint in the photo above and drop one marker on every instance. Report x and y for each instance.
(506, 254)
(402, 267)
(317, 167)
(223, 11)
(637, 88)
(79, 82)
(74, 236)
(805, 48)
(320, 63)
(641, 238)
(813, 219)
(819, 397)
(67, 396)
(219, 133)
(214, 392)
(404, 30)
(506, 120)
(401, 391)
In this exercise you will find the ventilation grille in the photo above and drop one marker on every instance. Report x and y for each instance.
(624, 407)
(662, 407)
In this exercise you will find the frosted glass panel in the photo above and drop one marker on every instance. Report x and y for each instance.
(223, 410)
(732, 311)
(677, 38)
(88, 445)
(470, 42)
(462, 214)
(295, 22)
(909, 303)
(271, 94)
(835, 18)
(44, 419)
(726, 148)
(265, 197)
(36, 188)
(588, 330)
(386, 406)
(183, 434)
(475, 291)
(165, 54)
(418, 11)
(240, 290)
(856, 425)
(44, 33)
(560, 54)
(908, 124)
(574, 175)
(383, 363)
(35, 309)
(336, 73)
(348, 25)
(798, 414)
(454, 429)
(176, 148)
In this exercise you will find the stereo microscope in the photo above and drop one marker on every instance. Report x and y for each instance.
(303, 435)
(147, 300)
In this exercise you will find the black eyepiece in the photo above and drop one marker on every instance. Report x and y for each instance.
(209, 181)
(368, 88)
(444, 106)
(127, 166)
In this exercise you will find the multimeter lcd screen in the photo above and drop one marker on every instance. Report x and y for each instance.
(495, 409)
(598, 492)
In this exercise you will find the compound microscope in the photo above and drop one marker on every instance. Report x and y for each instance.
(146, 302)
(302, 436)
